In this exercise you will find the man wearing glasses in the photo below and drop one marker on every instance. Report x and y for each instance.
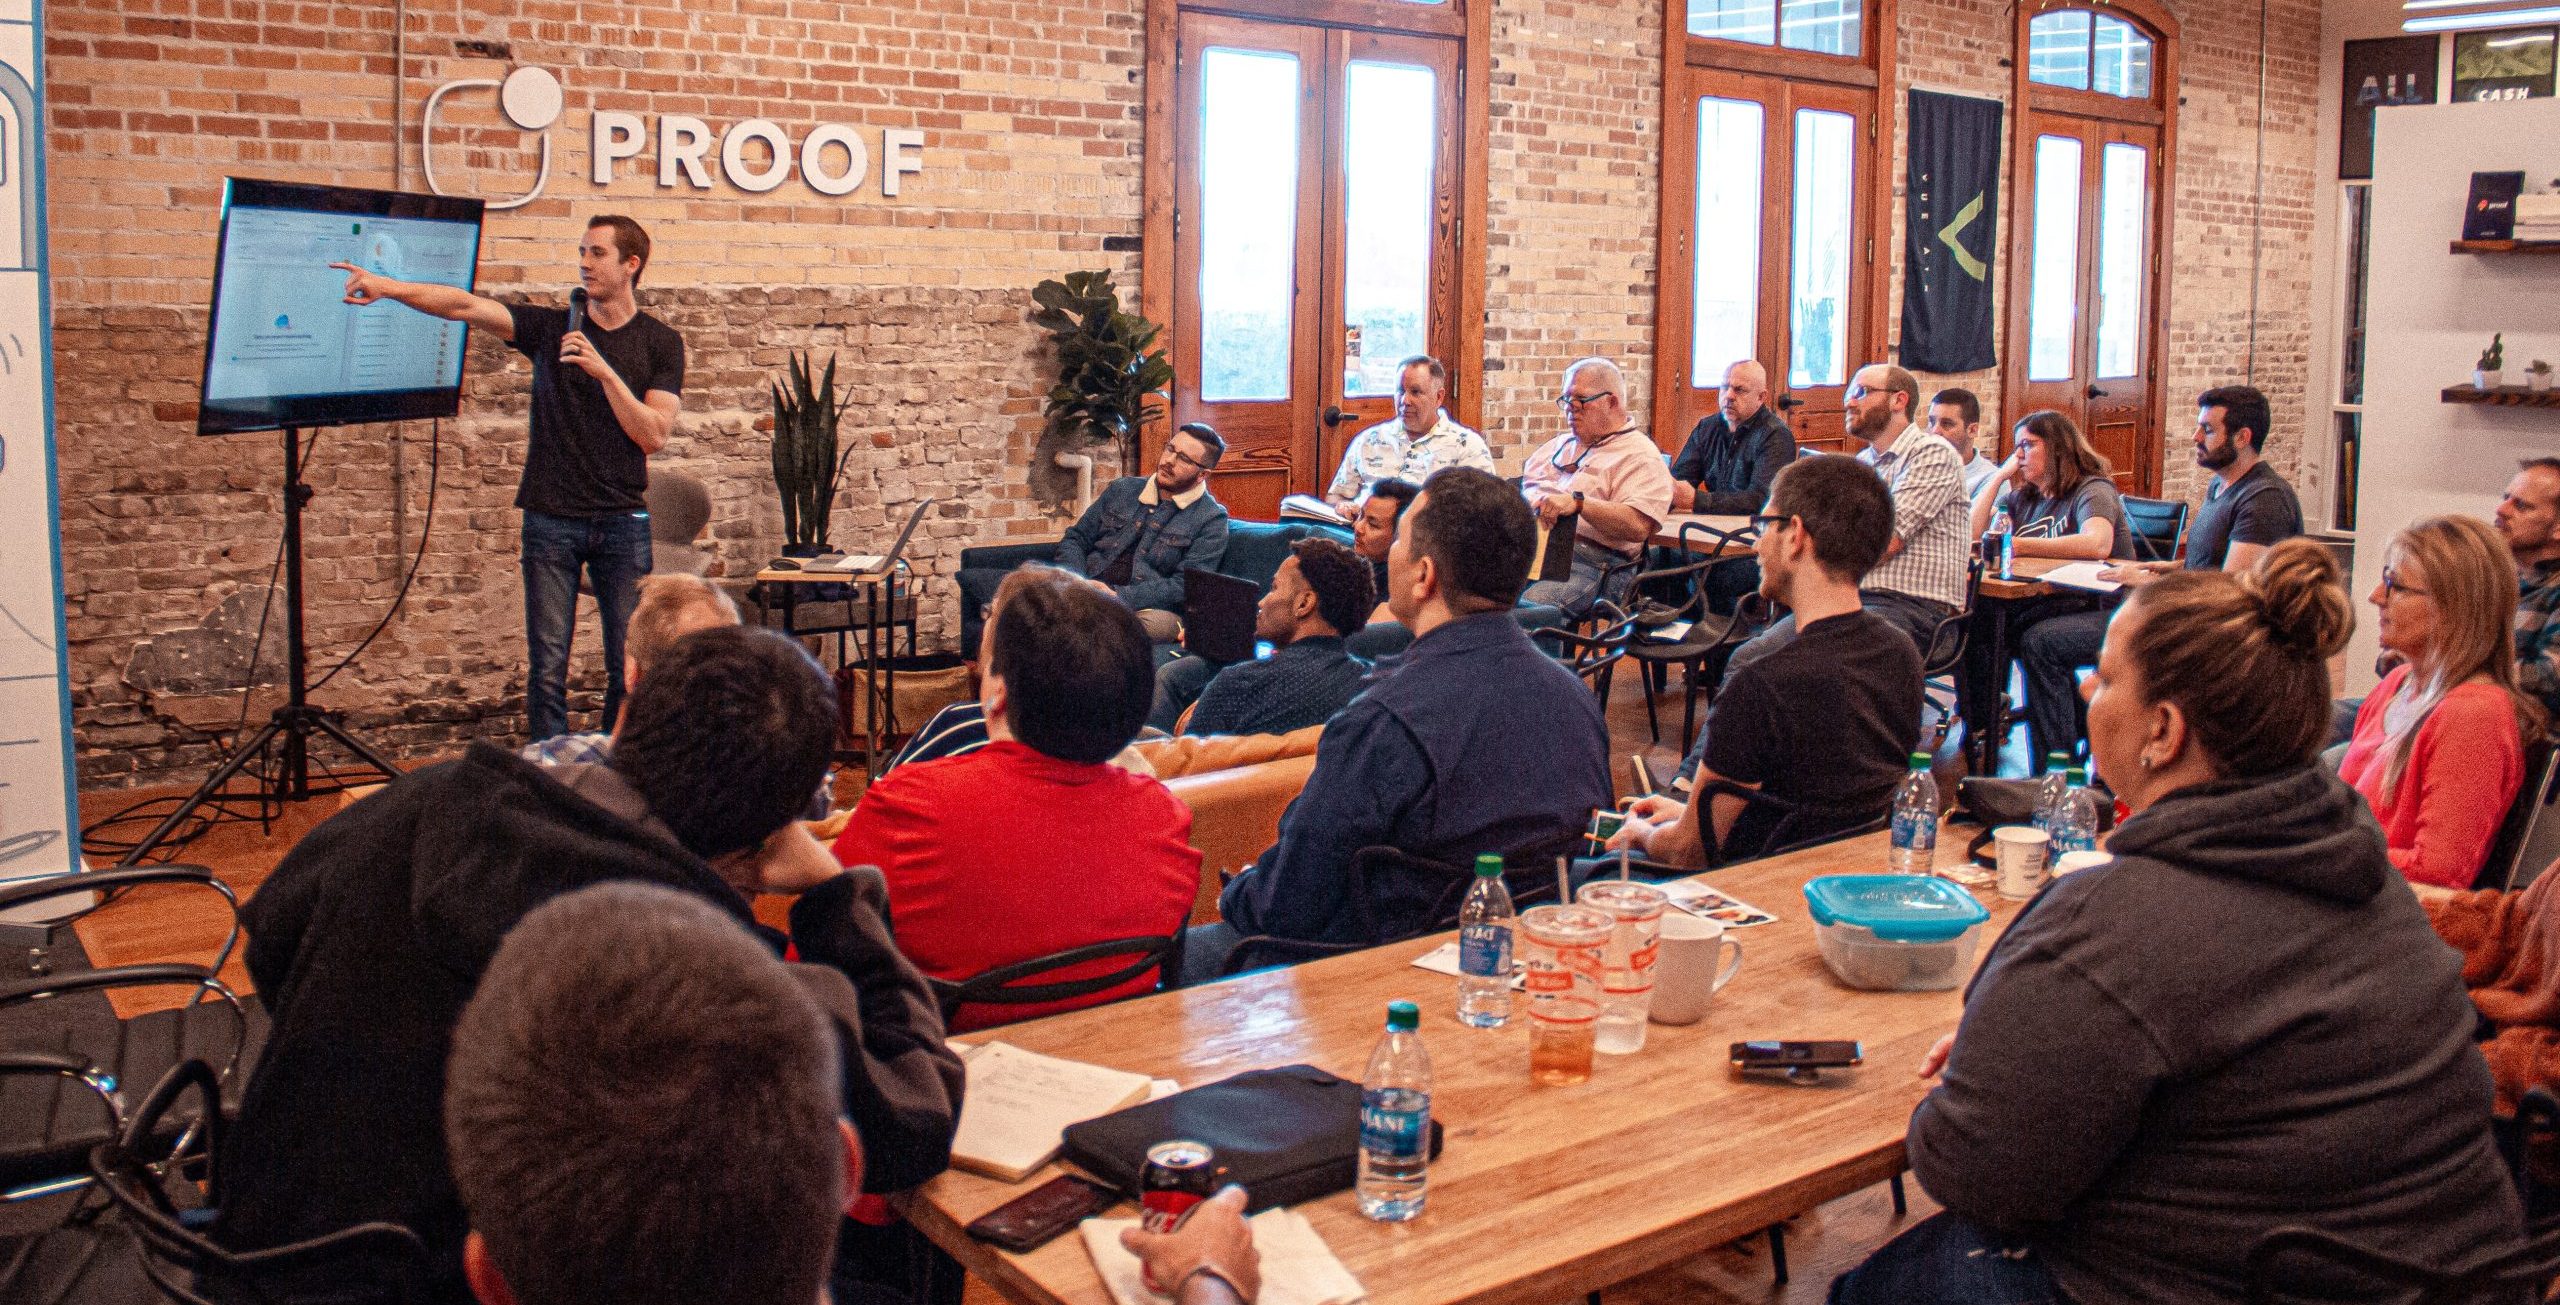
(1608, 476)
(1143, 530)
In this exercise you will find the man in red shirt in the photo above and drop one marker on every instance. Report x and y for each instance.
(1036, 843)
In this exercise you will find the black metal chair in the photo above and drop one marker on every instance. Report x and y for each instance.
(1018, 984)
(1530, 875)
(135, 1172)
(2285, 1261)
(1799, 824)
(1943, 659)
(2528, 837)
(1594, 656)
(1709, 638)
(61, 1089)
(2159, 527)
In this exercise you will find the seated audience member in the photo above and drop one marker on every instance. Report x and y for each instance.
(1726, 467)
(2439, 745)
(2248, 509)
(1606, 474)
(1140, 533)
(1474, 742)
(1827, 722)
(1955, 416)
(2510, 945)
(2241, 1023)
(1373, 527)
(1209, 1259)
(1419, 440)
(369, 936)
(1035, 843)
(1373, 533)
(641, 1109)
(2528, 517)
(1322, 590)
(2059, 500)
(671, 607)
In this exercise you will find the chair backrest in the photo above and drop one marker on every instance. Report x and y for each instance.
(1022, 983)
(2528, 839)
(1798, 826)
(1946, 639)
(1591, 656)
(2159, 526)
(2291, 1259)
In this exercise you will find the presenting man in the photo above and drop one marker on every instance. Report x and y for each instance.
(1607, 475)
(1420, 440)
(1142, 531)
(604, 398)
(1726, 468)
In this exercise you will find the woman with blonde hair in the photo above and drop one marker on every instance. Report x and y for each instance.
(2438, 748)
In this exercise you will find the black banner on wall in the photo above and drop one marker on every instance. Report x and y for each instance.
(1951, 212)
(2397, 70)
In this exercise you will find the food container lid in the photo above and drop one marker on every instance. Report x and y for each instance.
(1896, 908)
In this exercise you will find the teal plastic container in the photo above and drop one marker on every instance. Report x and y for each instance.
(1895, 933)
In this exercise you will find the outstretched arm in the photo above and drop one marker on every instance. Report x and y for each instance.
(447, 302)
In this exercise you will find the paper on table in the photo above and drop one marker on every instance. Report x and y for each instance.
(1019, 1102)
(2081, 575)
(1297, 1267)
(1695, 897)
(1443, 959)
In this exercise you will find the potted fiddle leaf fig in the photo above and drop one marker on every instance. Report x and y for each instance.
(1111, 372)
(806, 465)
(2491, 371)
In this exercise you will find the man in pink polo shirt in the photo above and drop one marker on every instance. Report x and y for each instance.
(1608, 471)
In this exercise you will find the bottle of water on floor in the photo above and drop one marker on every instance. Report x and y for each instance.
(1915, 821)
(1395, 1119)
(1485, 922)
(2075, 820)
(2050, 788)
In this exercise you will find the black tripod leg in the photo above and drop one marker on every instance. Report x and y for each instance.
(256, 744)
(348, 741)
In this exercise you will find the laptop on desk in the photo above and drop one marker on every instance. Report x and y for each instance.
(878, 563)
(1217, 614)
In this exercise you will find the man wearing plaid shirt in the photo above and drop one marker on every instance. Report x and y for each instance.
(2528, 515)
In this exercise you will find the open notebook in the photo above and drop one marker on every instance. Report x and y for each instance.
(1018, 1102)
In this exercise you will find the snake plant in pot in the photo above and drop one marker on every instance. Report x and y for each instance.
(1111, 372)
(806, 466)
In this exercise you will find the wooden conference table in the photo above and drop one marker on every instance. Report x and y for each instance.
(1542, 1193)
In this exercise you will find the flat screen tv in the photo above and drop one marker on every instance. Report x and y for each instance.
(284, 348)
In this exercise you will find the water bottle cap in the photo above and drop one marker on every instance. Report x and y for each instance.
(1403, 1017)
(1919, 761)
(2076, 775)
(2060, 758)
(1488, 865)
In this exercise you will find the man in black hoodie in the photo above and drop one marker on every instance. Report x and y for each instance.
(371, 935)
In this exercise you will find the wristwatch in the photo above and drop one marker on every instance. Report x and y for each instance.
(1577, 500)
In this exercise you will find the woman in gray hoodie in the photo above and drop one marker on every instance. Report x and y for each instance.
(2242, 1022)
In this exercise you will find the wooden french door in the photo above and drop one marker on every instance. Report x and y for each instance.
(1315, 239)
(2086, 325)
(1776, 261)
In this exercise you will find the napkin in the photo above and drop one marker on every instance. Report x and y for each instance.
(1297, 1267)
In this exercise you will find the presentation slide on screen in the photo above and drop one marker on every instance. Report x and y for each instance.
(282, 328)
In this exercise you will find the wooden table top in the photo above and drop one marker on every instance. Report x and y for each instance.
(2023, 582)
(806, 575)
(1542, 1193)
(1668, 533)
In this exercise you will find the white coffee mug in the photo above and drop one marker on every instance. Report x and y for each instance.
(1685, 976)
(2019, 853)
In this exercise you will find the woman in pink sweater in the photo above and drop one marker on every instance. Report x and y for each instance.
(2439, 747)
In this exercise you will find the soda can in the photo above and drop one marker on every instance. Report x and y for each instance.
(1178, 1175)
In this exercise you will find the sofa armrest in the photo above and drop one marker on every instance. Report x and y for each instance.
(1235, 817)
(1005, 557)
(1200, 754)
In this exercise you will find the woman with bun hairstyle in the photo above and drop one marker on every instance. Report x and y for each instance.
(2241, 1022)
(2438, 748)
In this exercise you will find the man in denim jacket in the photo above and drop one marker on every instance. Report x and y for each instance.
(1143, 530)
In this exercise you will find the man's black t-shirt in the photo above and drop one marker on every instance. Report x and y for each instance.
(1827, 721)
(2258, 508)
(578, 462)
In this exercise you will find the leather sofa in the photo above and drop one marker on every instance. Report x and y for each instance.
(1236, 786)
(1255, 550)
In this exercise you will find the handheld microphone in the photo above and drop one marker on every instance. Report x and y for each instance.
(577, 311)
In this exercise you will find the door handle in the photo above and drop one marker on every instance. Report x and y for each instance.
(1335, 416)
(2096, 393)
(1789, 401)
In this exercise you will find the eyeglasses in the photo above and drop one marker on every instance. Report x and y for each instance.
(1186, 459)
(1573, 403)
(2391, 584)
(1765, 521)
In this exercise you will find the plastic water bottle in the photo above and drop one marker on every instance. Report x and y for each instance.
(1485, 922)
(2049, 789)
(2075, 819)
(1915, 821)
(1395, 1120)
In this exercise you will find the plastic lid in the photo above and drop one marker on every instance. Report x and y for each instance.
(1897, 908)
(1488, 865)
(1919, 761)
(2076, 776)
(1403, 1016)
(2058, 755)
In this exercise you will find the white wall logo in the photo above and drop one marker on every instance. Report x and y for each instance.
(832, 160)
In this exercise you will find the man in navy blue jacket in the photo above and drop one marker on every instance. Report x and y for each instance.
(1475, 742)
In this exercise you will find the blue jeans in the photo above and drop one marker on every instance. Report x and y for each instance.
(2050, 655)
(1576, 593)
(614, 551)
(1179, 683)
(1948, 1260)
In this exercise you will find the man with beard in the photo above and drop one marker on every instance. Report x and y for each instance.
(2247, 510)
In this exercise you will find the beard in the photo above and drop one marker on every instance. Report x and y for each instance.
(1868, 425)
(2215, 459)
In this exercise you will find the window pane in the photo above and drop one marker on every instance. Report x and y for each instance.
(1823, 26)
(1818, 289)
(1755, 21)
(2058, 49)
(2120, 60)
(2358, 216)
(2342, 511)
(1389, 117)
(1248, 222)
(2052, 313)
(2122, 222)
(1724, 302)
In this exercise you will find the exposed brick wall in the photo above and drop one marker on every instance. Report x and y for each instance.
(1033, 159)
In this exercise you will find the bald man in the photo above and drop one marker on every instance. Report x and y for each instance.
(1734, 452)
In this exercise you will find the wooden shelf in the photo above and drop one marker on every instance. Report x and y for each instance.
(2506, 246)
(2505, 396)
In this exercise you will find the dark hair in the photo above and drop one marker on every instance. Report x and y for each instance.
(1346, 591)
(668, 601)
(2066, 450)
(1963, 401)
(640, 1108)
(1079, 673)
(1427, 363)
(1398, 490)
(1479, 532)
(2243, 407)
(629, 241)
(2551, 465)
(1206, 434)
(727, 738)
(2245, 655)
(1843, 505)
